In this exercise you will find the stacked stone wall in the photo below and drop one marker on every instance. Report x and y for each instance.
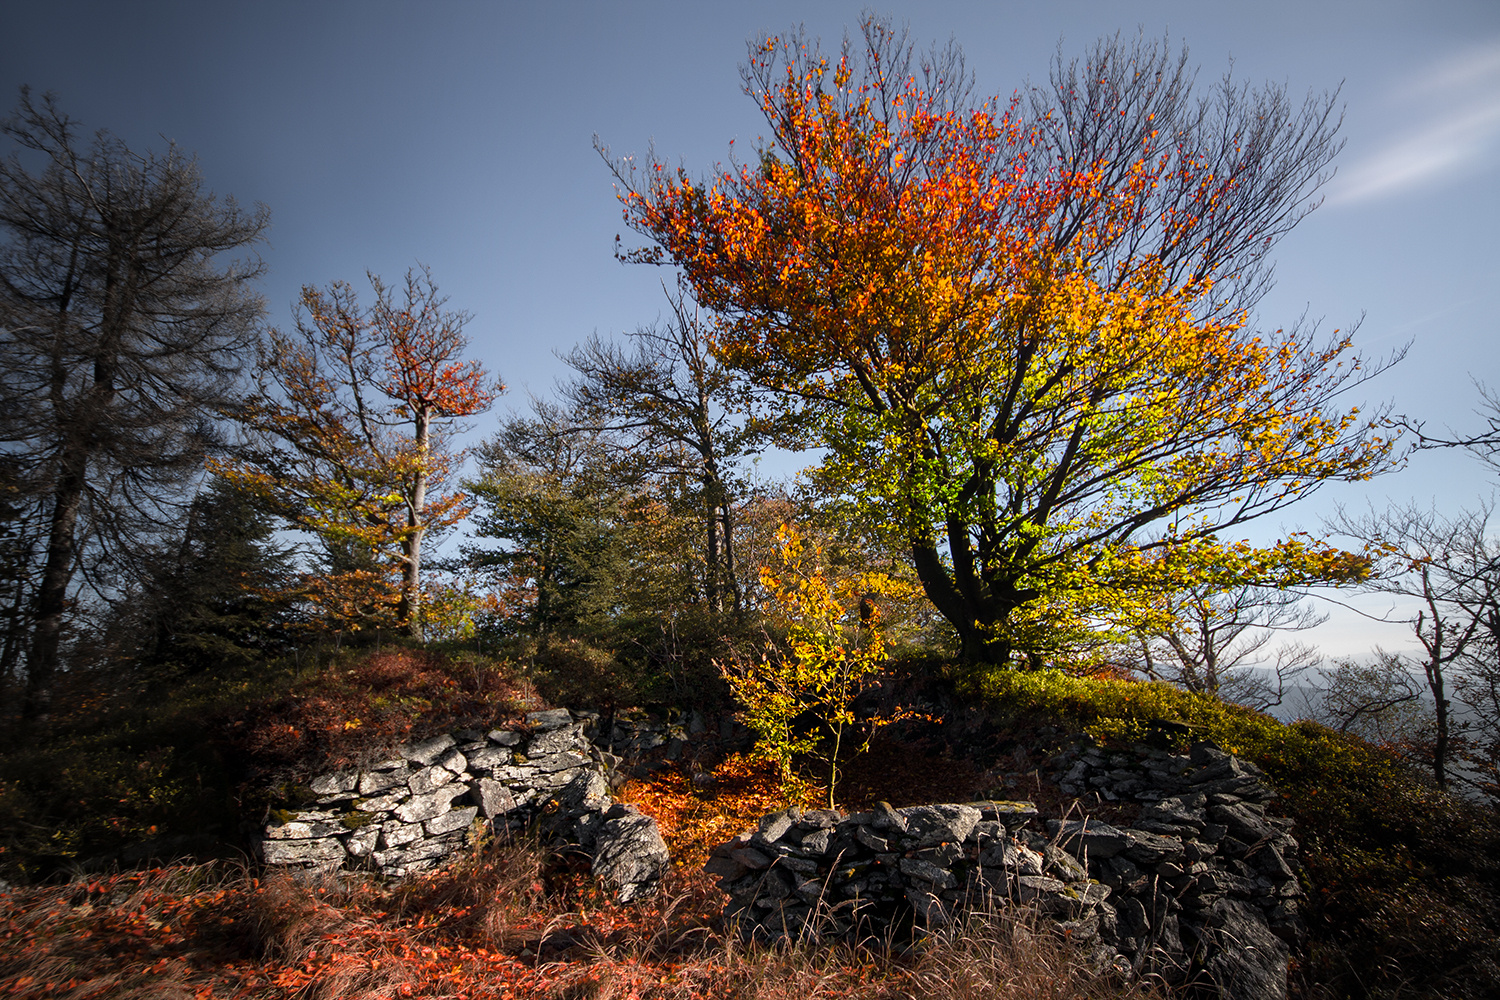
(411, 811)
(1202, 887)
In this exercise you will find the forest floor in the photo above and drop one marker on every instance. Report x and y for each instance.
(505, 922)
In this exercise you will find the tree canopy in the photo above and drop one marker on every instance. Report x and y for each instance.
(1025, 327)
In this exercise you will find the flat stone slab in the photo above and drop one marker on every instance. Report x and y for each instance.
(299, 852)
(302, 830)
(930, 826)
(453, 819)
(420, 808)
(551, 719)
(1091, 837)
(427, 752)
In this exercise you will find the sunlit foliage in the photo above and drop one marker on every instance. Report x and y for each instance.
(1024, 328)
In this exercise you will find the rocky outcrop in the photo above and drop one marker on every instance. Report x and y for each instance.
(1202, 887)
(408, 813)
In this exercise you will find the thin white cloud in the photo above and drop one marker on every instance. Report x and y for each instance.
(1463, 129)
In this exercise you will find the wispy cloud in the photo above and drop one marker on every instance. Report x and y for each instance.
(1458, 100)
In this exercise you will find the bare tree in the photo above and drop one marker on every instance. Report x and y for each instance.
(1217, 643)
(121, 335)
(1448, 571)
(1379, 700)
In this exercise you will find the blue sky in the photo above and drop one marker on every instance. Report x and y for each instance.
(461, 135)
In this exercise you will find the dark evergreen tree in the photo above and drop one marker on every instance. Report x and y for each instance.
(549, 494)
(219, 597)
(122, 329)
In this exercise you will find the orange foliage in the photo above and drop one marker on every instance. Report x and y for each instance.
(695, 819)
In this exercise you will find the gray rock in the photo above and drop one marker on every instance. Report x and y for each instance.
(300, 830)
(504, 737)
(931, 908)
(550, 719)
(382, 803)
(556, 741)
(1249, 962)
(726, 869)
(1269, 862)
(1060, 864)
(927, 873)
(405, 858)
(929, 826)
(396, 834)
(1132, 917)
(492, 797)
(490, 758)
(631, 857)
(324, 851)
(454, 762)
(334, 783)
(749, 857)
(427, 752)
(1022, 860)
(1151, 848)
(802, 866)
(774, 826)
(564, 761)
(1244, 821)
(420, 808)
(1090, 838)
(372, 782)
(822, 819)
(883, 817)
(453, 819)
(429, 779)
(987, 831)
(1014, 814)
(588, 792)
(816, 841)
(989, 883)
(362, 842)
(1031, 888)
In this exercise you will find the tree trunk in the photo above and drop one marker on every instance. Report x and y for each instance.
(52, 594)
(711, 590)
(977, 618)
(730, 570)
(409, 609)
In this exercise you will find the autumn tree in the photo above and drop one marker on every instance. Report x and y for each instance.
(350, 434)
(123, 324)
(1025, 327)
(833, 648)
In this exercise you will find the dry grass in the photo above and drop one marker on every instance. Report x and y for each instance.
(996, 955)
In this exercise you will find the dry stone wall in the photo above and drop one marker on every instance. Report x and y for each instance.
(410, 812)
(1201, 888)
